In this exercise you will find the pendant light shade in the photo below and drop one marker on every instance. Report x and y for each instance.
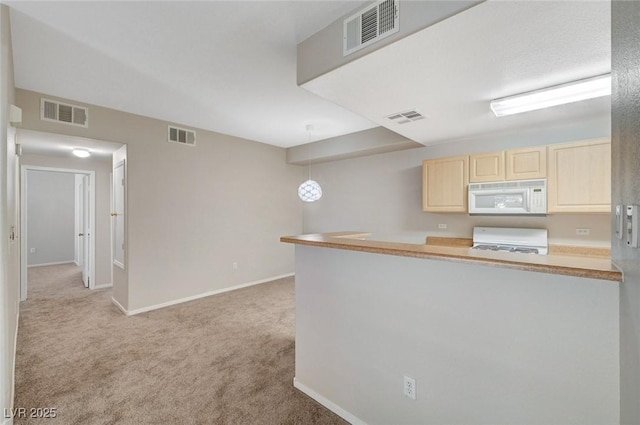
(310, 191)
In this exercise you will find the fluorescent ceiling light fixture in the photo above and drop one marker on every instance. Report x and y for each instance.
(575, 91)
(81, 153)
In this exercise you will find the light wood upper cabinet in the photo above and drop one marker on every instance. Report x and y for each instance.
(514, 164)
(444, 184)
(526, 163)
(580, 177)
(487, 167)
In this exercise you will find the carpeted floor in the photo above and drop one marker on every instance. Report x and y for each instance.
(225, 359)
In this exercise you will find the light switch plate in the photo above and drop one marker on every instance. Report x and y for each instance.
(632, 226)
(619, 221)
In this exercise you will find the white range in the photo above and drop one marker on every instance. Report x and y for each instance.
(511, 239)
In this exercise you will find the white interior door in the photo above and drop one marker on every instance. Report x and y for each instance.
(85, 234)
(118, 215)
(79, 221)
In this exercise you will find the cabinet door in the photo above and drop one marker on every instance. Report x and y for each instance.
(580, 177)
(486, 167)
(444, 184)
(527, 163)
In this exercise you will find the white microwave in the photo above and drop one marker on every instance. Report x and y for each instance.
(514, 197)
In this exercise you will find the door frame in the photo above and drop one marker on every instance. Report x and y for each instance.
(79, 194)
(114, 228)
(23, 221)
(86, 230)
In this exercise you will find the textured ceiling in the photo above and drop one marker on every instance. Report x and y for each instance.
(229, 67)
(39, 143)
(452, 70)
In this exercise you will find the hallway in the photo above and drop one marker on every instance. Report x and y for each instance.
(50, 282)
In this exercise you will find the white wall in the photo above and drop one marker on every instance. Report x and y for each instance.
(9, 219)
(50, 217)
(102, 231)
(383, 193)
(486, 345)
(625, 150)
(193, 211)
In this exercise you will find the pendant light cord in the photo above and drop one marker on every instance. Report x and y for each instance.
(309, 191)
(309, 129)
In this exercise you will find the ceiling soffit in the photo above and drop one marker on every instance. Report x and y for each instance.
(450, 71)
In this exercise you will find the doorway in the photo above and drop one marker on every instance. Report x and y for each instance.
(80, 229)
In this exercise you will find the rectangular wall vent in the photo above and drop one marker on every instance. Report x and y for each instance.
(181, 135)
(406, 117)
(369, 25)
(51, 110)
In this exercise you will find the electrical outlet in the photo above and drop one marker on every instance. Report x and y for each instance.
(234, 265)
(583, 231)
(410, 387)
(32, 250)
(442, 226)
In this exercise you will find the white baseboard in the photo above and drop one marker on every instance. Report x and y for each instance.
(328, 404)
(50, 264)
(203, 295)
(9, 421)
(103, 286)
(122, 309)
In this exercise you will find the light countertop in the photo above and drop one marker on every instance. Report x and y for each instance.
(569, 265)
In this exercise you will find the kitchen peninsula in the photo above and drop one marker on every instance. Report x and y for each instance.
(489, 337)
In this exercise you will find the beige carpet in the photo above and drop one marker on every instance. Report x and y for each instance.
(225, 359)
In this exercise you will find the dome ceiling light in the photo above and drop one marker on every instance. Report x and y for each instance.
(81, 153)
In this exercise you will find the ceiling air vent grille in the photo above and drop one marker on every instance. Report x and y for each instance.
(406, 117)
(370, 25)
(50, 110)
(182, 136)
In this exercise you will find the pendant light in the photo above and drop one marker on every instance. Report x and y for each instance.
(310, 190)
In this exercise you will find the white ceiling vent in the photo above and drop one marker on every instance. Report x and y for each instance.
(371, 24)
(406, 117)
(181, 135)
(51, 110)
